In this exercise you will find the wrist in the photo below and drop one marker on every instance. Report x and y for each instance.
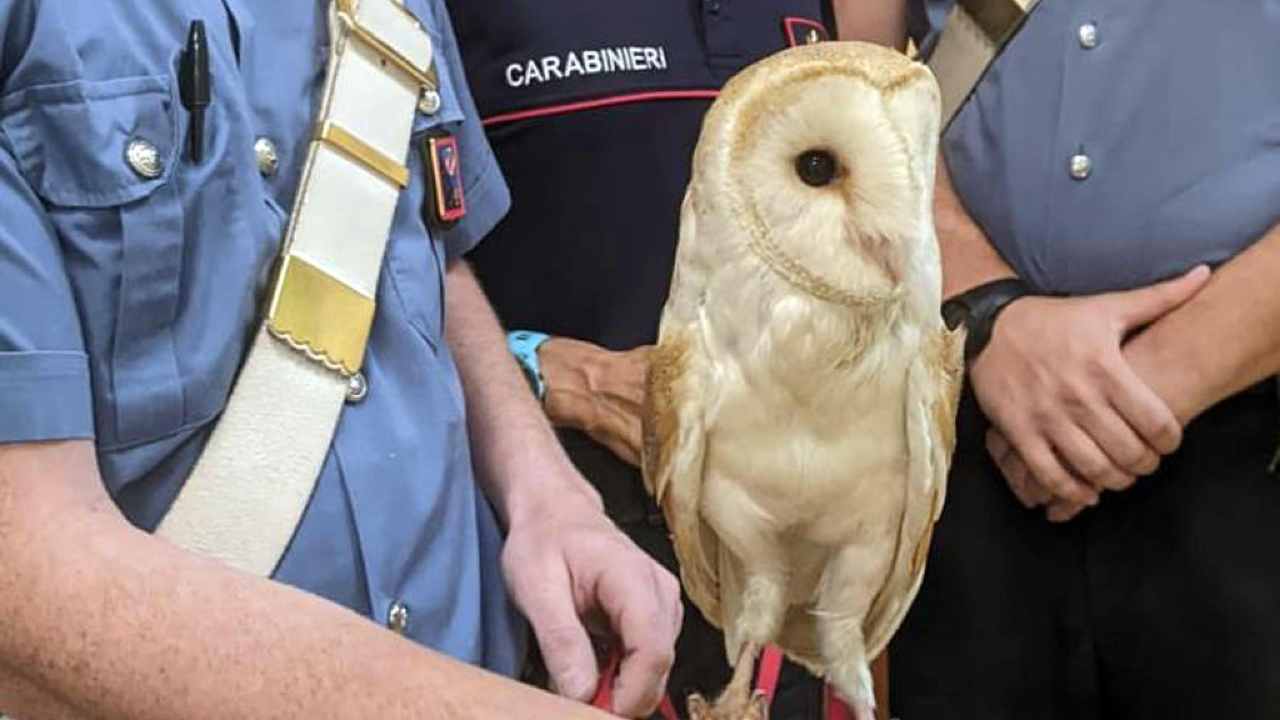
(525, 346)
(567, 369)
(979, 308)
(1169, 375)
(556, 488)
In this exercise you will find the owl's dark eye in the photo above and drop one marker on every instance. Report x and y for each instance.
(816, 167)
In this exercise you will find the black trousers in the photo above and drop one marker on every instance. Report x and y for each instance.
(1161, 602)
(700, 664)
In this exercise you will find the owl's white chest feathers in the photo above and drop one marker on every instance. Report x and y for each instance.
(807, 433)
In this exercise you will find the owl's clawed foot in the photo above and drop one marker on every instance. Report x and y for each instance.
(737, 702)
(758, 707)
(730, 706)
(698, 709)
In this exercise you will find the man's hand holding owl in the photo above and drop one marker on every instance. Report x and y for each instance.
(597, 391)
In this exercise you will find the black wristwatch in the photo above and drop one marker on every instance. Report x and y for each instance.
(977, 309)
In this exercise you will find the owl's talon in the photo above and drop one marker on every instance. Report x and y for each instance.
(729, 707)
(698, 708)
(758, 708)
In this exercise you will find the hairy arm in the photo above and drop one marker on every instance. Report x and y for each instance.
(509, 434)
(564, 561)
(102, 620)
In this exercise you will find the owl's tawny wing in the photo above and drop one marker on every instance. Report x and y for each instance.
(675, 423)
(933, 392)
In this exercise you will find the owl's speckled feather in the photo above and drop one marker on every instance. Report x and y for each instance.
(800, 413)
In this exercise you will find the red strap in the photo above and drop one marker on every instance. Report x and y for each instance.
(766, 682)
(767, 673)
(836, 709)
(604, 692)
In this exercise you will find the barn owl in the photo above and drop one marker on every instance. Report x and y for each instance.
(800, 405)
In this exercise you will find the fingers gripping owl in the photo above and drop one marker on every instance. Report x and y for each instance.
(800, 408)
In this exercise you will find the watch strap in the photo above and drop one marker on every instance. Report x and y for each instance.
(978, 308)
(524, 345)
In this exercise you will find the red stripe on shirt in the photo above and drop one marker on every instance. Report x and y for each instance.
(564, 108)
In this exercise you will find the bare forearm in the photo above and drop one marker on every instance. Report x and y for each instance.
(878, 21)
(19, 693)
(968, 258)
(1223, 340)
(509, 432)
(107, 621)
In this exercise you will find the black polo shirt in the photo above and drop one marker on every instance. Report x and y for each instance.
(593, 110)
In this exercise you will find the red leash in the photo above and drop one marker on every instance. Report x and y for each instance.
(604, 693)
(767, 673)
(766, 682)
(836, 709)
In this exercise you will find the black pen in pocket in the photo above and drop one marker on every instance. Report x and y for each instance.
(194, 86)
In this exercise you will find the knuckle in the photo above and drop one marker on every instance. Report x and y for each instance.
(656, 662)
(1039, 494)
(1020, 491)
(1124, 482)
(670, 586)
(556, 640)
(1168, 435)
(1094, 468)
(1146, 464)
(1114, 480)
(1066, 487)
(993, 444)
(1043, 414)
(1139, 462)
(1097, 365)
(1134, 457)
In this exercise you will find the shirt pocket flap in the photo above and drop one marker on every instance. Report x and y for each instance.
(73, 140)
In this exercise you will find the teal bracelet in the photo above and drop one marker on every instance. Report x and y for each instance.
(524, 345)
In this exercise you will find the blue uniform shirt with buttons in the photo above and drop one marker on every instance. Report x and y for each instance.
(1113, 145)
(130, 280)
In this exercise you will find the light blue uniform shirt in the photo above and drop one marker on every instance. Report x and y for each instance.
(126, 303)
(1172, 105)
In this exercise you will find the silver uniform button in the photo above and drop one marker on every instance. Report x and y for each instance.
(1088, 34)
(429, 102)
(268, 156)
(357, 388)
(144, 158)
(1081, 166)
(398, 618)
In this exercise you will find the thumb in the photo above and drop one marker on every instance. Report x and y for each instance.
(1144, 305)
(566, 647)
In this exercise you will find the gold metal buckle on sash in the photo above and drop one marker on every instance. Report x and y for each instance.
(371, 158)
(312, 311)
(320, 316)
(425, 77)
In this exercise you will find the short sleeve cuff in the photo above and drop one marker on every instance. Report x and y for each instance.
(488, 201)
(45, 396)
